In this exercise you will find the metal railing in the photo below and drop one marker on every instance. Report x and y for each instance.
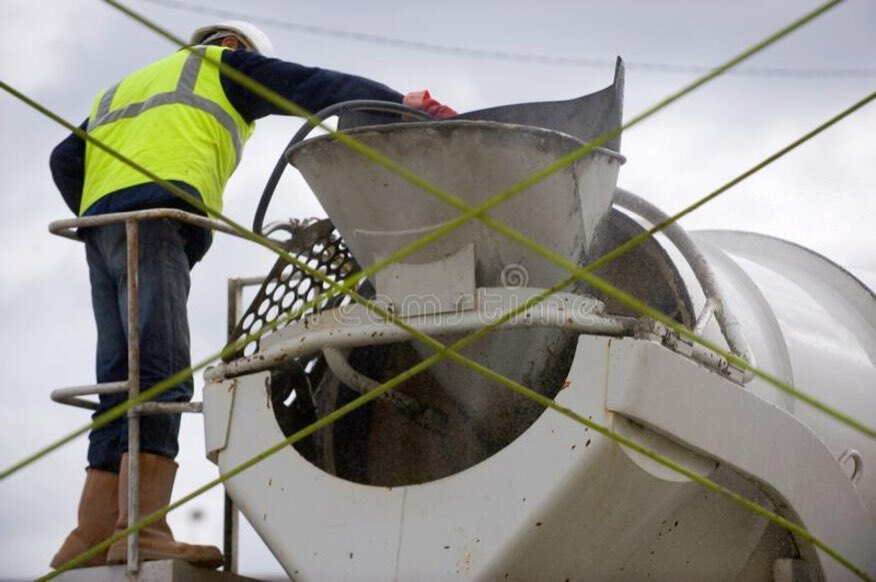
(75, 396)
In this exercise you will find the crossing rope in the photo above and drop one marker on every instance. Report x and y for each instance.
(477, 212)
(375, 156)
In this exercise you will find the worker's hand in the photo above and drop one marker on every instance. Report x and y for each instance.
(423, 101)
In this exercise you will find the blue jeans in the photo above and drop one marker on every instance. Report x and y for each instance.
(164, 331)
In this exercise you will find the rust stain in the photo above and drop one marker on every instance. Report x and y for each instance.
(463, 566)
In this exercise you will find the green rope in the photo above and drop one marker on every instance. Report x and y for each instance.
(389, 259)
(291, 107)
(585, 274)
(80, 432)
(564, 161)
(480, 210)
(112, 415)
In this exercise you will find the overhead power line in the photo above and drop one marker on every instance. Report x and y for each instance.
(527, 58)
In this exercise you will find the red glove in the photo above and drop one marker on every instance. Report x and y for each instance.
(423, 101)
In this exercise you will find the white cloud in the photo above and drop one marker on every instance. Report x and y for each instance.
(50, 36)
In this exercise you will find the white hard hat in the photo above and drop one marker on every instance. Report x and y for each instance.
(257, 40)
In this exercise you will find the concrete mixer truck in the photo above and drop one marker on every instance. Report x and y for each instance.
(452, 476)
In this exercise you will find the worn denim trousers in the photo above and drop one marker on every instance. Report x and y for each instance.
(164, 331)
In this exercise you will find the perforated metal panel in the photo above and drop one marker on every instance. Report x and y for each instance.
(287, 287)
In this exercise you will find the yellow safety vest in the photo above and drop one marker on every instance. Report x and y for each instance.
(171, 117)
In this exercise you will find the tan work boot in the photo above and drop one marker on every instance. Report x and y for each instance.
(97, 515)
(156, 540)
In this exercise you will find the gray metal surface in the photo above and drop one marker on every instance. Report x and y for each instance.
(559, 502)
(168, 407)
(379, 212)
(338, 109)
(474, 157)
(646, 272)
(444, 286)
(585, 118)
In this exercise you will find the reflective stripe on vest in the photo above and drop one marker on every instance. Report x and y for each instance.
(183, 95)
(178, 134)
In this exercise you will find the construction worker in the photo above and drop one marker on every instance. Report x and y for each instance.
(185, 121)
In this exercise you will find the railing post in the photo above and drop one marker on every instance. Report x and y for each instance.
(132, 232)
(231, 522)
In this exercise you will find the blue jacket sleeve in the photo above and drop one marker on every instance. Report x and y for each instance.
(67, 163)
(312, 88)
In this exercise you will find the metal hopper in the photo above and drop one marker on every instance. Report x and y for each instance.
(379, 212)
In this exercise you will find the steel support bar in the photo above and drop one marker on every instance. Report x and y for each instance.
(353, 326)
(71, 396)
(132, 230)
(68, 227)
(705, 316)
(169, 407)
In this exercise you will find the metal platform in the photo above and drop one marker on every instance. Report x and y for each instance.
(159, 571)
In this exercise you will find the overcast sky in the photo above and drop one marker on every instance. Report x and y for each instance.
(61, 52)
